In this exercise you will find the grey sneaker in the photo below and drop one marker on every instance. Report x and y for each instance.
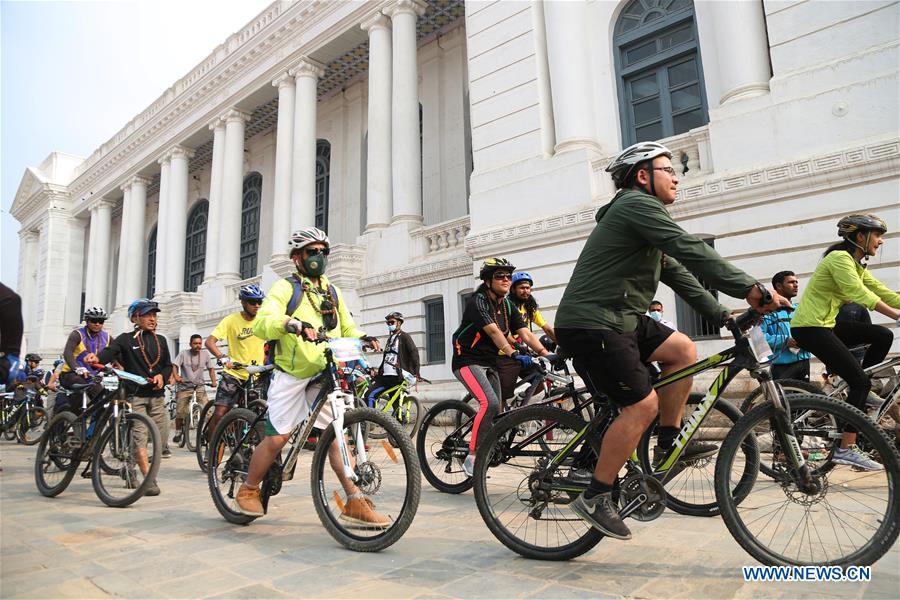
(578, 476)
(856, 458)
(166, 453)
(873, 401)
(152, 489)
(469, 465)
(601, 512)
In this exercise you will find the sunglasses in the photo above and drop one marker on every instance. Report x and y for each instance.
(500, 276)
(254, 302)
(313, 251)
(95, 321)
(391, 322)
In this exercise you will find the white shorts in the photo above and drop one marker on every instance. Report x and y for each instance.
(290, 401)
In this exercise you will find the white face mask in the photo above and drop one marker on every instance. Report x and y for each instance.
(655, 315)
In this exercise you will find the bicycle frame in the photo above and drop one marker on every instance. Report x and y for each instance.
(889, 400)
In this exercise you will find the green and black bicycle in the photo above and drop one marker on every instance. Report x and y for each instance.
(810, 512)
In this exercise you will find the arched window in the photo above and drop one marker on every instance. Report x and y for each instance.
(151, 264)
(195, 246)
(661, 88)
(250, 224)
(323, 175)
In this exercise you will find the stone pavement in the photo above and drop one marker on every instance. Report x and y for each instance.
(177, 546)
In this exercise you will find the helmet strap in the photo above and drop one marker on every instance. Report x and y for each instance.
(865, 253)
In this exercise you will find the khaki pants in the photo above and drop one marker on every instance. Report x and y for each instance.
(183, 400)
(155, 408)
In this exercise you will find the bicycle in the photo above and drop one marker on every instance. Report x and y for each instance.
(252, 396)
(443, 439)
(523, 492)
(22, 419)
(104, 436)
(387, 472)
(395, 401)
(190, 423)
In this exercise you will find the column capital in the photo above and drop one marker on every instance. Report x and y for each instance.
(283, 80)
(216, 123)
(139, 180)
(376, 21)
(232, 115)
(103, 203)
(399, 7)
(126, 187)
(29, 235)
(306, 67)
(179, 151)
(163, 159)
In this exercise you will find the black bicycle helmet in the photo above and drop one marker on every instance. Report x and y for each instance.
(31, 356)
(396, 316)
(494, 264)
(852, 224)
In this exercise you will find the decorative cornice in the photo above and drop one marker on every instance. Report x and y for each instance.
(283, 80)
(418, 274)
(375, 21)
(399, 7)
(234, 115)
(307, 67)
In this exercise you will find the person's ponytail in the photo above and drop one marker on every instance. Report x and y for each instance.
(842, 245)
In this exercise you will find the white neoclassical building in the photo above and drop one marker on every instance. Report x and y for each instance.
(427, 135)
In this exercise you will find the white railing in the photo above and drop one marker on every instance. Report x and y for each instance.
(444, 236)
(232, 291)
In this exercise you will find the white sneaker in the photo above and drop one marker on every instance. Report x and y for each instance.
(855, 457)
(469, 465)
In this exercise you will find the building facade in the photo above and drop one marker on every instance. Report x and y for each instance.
(425, 136)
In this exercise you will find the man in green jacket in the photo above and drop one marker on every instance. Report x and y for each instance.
(291, 395)
(601, 320)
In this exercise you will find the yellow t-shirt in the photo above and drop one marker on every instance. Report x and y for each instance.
(538, 318)
(243, 346)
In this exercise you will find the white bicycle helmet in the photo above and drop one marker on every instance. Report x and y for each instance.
(305, 236)
(622, 165)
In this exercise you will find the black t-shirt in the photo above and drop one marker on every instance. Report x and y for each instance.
(471, 345)
(126, 349)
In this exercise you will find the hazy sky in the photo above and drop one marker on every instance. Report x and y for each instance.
(73, 73)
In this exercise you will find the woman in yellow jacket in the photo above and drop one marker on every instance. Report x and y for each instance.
(841, 277)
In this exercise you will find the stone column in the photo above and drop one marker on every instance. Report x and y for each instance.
(176, 216)
(378, 153)
(162, 228)
(28, 269)
(211, 267)
(134, 253)
(284, 149)
(406, 179)
(123, 267)
(100, 250)
(303, 169)
(738, 37)
(229, 262)
(570, 75)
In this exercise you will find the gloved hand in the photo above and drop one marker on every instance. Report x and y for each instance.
(523, 359)
(301, 328)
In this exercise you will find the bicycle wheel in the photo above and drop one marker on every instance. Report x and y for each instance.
(843, 517)
(387, 472)
(57, 456)
(9, 434)
(117, 446)
(202, 444)
(691, 489)
(405, 411)
(32, 425)
(189, 435)
(232, 447)
(523, 495)
(442, 445)
(790, 386)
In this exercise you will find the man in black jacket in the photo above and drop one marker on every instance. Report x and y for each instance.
(144, 353)
(400, 354)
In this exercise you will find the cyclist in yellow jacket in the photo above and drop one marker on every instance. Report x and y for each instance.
(321, 307)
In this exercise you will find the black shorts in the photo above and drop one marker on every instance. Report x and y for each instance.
(229, 391)
(614, 363)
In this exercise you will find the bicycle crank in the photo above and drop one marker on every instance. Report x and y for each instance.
(642, 498)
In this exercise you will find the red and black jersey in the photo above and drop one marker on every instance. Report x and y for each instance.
(471, 345)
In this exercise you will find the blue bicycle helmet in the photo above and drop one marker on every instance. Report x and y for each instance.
(135, 304)
(521, 276)
(251, 292)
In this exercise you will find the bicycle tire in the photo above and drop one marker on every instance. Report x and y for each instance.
(9, 433)
(124, 453)
(440, 450)
(691, 491)
(574, 536)
(886, 527)
(202, 445)
(55, 451)
(189, 435)
(401, 493)
(258, 406)
(31, 425)
(407, 413)
(231, 471)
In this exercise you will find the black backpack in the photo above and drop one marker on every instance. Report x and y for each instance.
(271, 346)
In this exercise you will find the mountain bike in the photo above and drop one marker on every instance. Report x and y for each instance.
(523, 490)
(387, 472)
(191, 422)
(104, 436)
(252, 397)
(395, 401)
(443, 439)
(23, 419)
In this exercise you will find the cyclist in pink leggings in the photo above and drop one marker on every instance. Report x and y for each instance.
(488, 319)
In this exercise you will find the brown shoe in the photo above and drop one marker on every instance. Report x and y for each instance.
(362, 512)
(247, 501)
